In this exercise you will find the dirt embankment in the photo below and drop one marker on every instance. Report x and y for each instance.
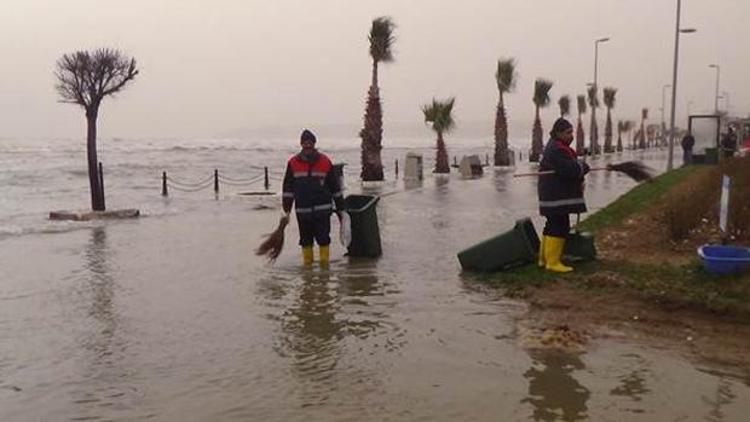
(647, 286)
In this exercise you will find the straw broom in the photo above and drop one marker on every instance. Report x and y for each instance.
(633, 169)
(274, 243)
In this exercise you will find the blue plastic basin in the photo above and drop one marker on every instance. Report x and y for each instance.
(724, 259)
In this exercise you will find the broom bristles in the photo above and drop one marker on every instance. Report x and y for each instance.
(274, 243)
(633, 169)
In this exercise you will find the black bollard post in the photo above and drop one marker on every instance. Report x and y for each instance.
(101, 185)
(216, 180)
(266, 184)
(455, 162)
(396, 169)
(164, 184)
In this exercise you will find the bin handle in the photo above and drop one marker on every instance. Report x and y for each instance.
(367, 205)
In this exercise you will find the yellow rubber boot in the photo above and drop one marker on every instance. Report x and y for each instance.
(553, 249)
(324, 255)
(541, 252)
(307, 255)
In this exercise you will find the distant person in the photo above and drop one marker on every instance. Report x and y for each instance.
(311, 184)
(729, 143)
(687, 149)
(560, 193)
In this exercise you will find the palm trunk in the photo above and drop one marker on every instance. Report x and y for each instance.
(619, 140)
(642, 140)
(441, 157)
(502, 156)
(580, 137)
(536, 139)
(97, 195)
(594, 145)
(372, 133)
(608, 132)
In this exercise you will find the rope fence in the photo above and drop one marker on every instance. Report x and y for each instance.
(215, 180)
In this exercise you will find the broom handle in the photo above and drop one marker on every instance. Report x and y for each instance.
(542, 173)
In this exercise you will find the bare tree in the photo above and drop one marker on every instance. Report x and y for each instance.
(85, 78)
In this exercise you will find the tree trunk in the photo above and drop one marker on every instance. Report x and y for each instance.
(502, 156)
(97, 196)
(594, 135)
(580, 138)
(608, 132)
(537, 144)
(372, 133)
(619, 140)
(642, 140)
(441, 157)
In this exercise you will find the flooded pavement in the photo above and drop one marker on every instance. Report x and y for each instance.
(172, 317)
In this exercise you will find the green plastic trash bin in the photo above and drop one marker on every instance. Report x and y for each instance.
(365, 231)
(516, 247)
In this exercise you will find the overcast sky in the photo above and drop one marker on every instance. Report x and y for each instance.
(212, 67)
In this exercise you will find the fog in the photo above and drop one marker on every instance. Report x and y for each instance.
(225, 68)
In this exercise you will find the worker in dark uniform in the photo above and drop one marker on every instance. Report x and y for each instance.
(560, 193)
(311, 184)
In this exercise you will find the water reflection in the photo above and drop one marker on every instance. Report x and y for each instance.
(101, 285)
(330, 306)
(553, 391)
(632, 385)
(724, 396)
(105, 375)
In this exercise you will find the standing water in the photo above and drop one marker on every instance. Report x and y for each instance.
(172, 316)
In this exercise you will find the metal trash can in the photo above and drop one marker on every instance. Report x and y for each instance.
(365, 229)
(513, 248)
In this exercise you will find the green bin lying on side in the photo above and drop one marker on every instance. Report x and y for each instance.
(365, 230)
(515, 247)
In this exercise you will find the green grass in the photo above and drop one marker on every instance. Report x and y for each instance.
(674, 286)
(636, 200)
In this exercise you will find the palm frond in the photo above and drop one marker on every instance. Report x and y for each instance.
(609, 97)
(541, 92)
(382, 39)
(439, 114)
(581, 104)
(593, 96)
(506, 75)
(564, 103)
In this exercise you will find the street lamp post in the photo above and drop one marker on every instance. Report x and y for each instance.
(716, 96)
(670, 159)
(663, 125)
(594, 128)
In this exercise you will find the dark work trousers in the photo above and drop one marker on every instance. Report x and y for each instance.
(314, 227)
(557, 225)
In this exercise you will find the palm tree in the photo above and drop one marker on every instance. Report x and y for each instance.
(564, 103)
(541, 100)
(381, 43)
(622, 126)
(439, 114)
(642, 139)
(609, 102)
(628, 126)
(580, 137)
(505, 76)
(594, 133)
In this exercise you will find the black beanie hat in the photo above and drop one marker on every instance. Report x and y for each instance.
(307, 136)
(560, 125)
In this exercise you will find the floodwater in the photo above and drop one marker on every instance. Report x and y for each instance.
(172, 317)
